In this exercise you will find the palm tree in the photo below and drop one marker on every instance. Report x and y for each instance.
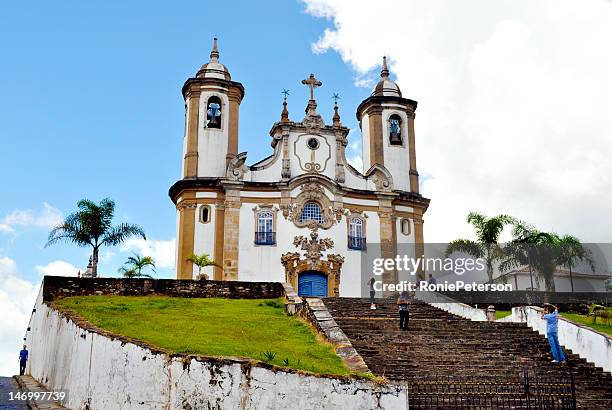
(544, 251)
(135, 264)
(201, 261)
(521, 250)
(91, 225)
(572, 251)
(486, 244)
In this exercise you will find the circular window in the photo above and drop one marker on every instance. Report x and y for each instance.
(313, 143)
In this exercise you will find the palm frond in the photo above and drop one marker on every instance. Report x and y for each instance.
(118, 234)
(465, 246)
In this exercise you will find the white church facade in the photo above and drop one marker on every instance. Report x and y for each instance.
(303, 215)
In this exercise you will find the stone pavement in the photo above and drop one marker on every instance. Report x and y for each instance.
(28, 384)
(8, 385)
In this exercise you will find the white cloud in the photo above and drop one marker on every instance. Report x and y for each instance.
(58, 268)
(161, 251)
(514, 104)
(17, 298)
(46, 218)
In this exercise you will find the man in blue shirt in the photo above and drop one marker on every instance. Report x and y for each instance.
(551, 315)
(23, 359)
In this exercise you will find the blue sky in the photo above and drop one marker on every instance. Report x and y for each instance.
(91, 104)
(514, 99)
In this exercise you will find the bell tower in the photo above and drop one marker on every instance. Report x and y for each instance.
(212, 103)
(387, 128)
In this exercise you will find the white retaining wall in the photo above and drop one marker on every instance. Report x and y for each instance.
(104, 373)
(452, 306)
(585, 342)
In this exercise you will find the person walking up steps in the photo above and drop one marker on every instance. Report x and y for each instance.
(372, 294)
(23, 360)
(402, 302)
(551, 315)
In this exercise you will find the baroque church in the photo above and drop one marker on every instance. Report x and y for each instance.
(302, 215)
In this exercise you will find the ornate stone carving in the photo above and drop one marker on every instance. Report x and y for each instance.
(312, 259)
(381, 177)
(311, 192)
(382, 214)
(286, 169)
(338, 212)
(236, 167)
(314, 246)
(286, 165)
(186, 203)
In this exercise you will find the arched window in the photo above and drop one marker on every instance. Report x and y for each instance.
(405, 226)
(311, 212)
(205, 214)
(356, 239)
(395, 130)
(213, 112)
(265, 234)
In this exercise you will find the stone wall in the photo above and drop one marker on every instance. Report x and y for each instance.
(59, 286)
(315, 311)
(104, 372)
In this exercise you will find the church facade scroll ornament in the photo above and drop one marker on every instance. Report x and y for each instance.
(236, 167)
(381, 177)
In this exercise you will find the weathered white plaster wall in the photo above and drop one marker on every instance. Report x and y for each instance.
(593, 346)
(450, 305)
(102, 373)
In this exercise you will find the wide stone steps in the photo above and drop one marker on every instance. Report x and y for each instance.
(439, 345)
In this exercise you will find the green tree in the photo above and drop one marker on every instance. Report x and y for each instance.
(544, 252)
(91, 225)
(134, 266)
(522, 249)
(486, 246)
(201, 261)
(571, 252)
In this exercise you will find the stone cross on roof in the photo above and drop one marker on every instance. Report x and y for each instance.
(312, 83)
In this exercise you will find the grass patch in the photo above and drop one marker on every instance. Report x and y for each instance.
(500, 314)
(249, 328)
(588, 322)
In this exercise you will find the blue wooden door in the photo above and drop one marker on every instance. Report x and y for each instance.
(312, 284)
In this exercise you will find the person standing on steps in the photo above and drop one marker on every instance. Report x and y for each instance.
(551, 315)
(23, 360)
(402, 302)
(372, 293)
(432, 280)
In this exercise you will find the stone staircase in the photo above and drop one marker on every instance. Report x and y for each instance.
(440, 345)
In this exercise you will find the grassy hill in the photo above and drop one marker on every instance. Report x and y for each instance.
(249, 328)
